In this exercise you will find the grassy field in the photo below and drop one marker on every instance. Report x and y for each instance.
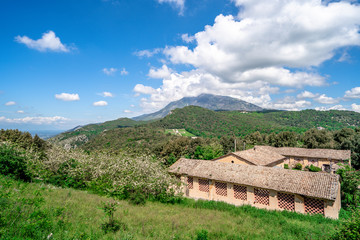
(37, 211)
(179, 132)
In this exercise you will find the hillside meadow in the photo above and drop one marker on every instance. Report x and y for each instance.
(42, 211)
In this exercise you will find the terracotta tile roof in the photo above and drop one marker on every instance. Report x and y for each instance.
(311, 153)
(318, 185)
(259, 156)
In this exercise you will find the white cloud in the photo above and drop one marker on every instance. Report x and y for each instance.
(193, 83)
(10, 103)
(48, 42)
(68, 96)
(353, 93)
(326, 100)
(163, 72)
(109, 71)
(124, 72)
(20, 111)
(180, 4)
(35, 120)
(269, 44)
(290, 104)
(100, 103)
(336, 107)
(355, 107)
(186, 38)
(147, 53)
(307, 94)
(107, 94)
(139, 88)
(132, 105)
(127, 111)
(269, 37)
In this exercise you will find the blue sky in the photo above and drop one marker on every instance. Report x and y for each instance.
(68, 63)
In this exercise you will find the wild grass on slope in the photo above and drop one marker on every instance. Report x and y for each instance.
(36, 211)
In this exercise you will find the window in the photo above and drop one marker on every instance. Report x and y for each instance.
(262, 196)
(203, 185)
(190, 182)
(240, 192)
(286, 201)
(221, 189)
(232, 161)
(314, 206)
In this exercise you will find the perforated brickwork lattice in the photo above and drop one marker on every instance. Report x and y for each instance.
(261, 196)
(203, 185)
(221, 188)
(190, 182)
(314, 206)
(240, 192)
(286, 201)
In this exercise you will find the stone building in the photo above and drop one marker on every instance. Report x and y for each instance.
(261, 187)
(326, 159)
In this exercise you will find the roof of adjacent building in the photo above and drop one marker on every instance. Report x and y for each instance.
(257, 156)
(310, 153)
(318, 185)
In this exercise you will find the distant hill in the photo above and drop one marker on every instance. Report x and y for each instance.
(82, 134)
(207, 123)
(208, 101)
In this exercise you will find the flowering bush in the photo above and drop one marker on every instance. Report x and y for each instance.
(118, 175)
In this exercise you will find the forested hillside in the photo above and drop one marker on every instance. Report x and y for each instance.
(207, 123)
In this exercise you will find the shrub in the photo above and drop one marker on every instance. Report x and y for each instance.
(313, 168)
(286, 166)
(349, 230)
(111, 225)
(202, 235)
(13, 162)
(298, 166)
(121, 176)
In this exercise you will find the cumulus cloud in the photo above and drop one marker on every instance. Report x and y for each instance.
(67, 96)
(20, 111)
(127, 111)
(163, 72)
(326, 100)
(193, 83)
(336, 107)
(10, 103)
(100, 104)
(355, 107)
(48, 42)
(269, 44)
(307, 94)
(139, 88)
(353, 93)
(289, 103)
(180, 4)
(109, 71)
(35, 120)
(269, 37)
(147, 53)
(124, 72)
(106, 94)
(186, 38)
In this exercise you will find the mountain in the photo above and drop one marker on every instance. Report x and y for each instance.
(208, 101)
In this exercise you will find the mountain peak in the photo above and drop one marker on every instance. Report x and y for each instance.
(205, 100)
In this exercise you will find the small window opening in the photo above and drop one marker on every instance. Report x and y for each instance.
(232, 161)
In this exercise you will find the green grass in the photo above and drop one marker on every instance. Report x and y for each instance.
(179, 132)
(74, 214)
